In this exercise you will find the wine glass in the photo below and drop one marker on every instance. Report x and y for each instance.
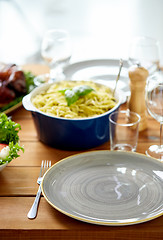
(144, 51)
(154, 103)
(56, 51)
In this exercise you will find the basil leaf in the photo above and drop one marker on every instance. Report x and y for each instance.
(63, 90)
(70, 96)
(82, 90)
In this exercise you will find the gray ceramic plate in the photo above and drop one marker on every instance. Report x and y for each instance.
(106, 187)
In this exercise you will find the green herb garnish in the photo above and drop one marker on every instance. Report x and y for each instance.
(9, 135)
(73, 94)
(29, 78)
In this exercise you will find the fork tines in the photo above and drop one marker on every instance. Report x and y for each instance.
(44, 166)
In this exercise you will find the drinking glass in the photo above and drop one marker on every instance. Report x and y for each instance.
(154, 103)
(56, 51)
(124, 130)
(144, 51)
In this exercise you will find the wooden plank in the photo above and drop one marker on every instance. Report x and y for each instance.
(19, 181)
(20, 176)
(35, 152)
(28, 131)
(50, 221)
(36, 69)
(91, 234)
(21, 113)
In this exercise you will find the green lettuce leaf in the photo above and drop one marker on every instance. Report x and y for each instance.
(13, 152)
(8, 130)
(9, 135)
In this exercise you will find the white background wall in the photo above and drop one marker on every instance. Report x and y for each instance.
(99, 28)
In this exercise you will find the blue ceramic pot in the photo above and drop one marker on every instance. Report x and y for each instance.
(69, 134)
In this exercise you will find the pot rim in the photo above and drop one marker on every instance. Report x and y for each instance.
(30, 107)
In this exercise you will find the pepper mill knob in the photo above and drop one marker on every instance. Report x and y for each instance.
(136, 102)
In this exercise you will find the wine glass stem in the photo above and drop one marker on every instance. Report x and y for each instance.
(56, 72)
(161, 124)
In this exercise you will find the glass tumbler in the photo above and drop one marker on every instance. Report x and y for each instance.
(124, 130)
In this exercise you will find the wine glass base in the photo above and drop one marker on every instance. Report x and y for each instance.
(155, 151)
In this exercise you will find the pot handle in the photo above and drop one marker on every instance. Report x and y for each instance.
(27, 103)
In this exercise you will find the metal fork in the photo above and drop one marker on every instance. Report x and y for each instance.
(33, 211)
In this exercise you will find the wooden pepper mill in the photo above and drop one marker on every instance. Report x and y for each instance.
(136, 102)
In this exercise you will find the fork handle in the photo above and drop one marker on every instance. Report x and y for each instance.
(33, 211)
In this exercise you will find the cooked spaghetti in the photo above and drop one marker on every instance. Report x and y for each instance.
(53, 102)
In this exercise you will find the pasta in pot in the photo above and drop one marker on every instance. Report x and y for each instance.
(53, 102)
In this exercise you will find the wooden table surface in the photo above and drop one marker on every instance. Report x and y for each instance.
(18, 188)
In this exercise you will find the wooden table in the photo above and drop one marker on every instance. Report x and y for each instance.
(18, 188)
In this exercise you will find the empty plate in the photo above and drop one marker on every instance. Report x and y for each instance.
(106, 187)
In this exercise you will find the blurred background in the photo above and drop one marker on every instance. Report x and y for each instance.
(98, 28)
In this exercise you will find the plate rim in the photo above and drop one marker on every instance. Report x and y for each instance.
(69, 72)
(89, 61)
(104, 223)
(13, 108)
(96, 60)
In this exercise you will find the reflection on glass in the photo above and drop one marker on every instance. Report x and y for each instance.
(154, 102)
(56, 51)
(144, 51)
